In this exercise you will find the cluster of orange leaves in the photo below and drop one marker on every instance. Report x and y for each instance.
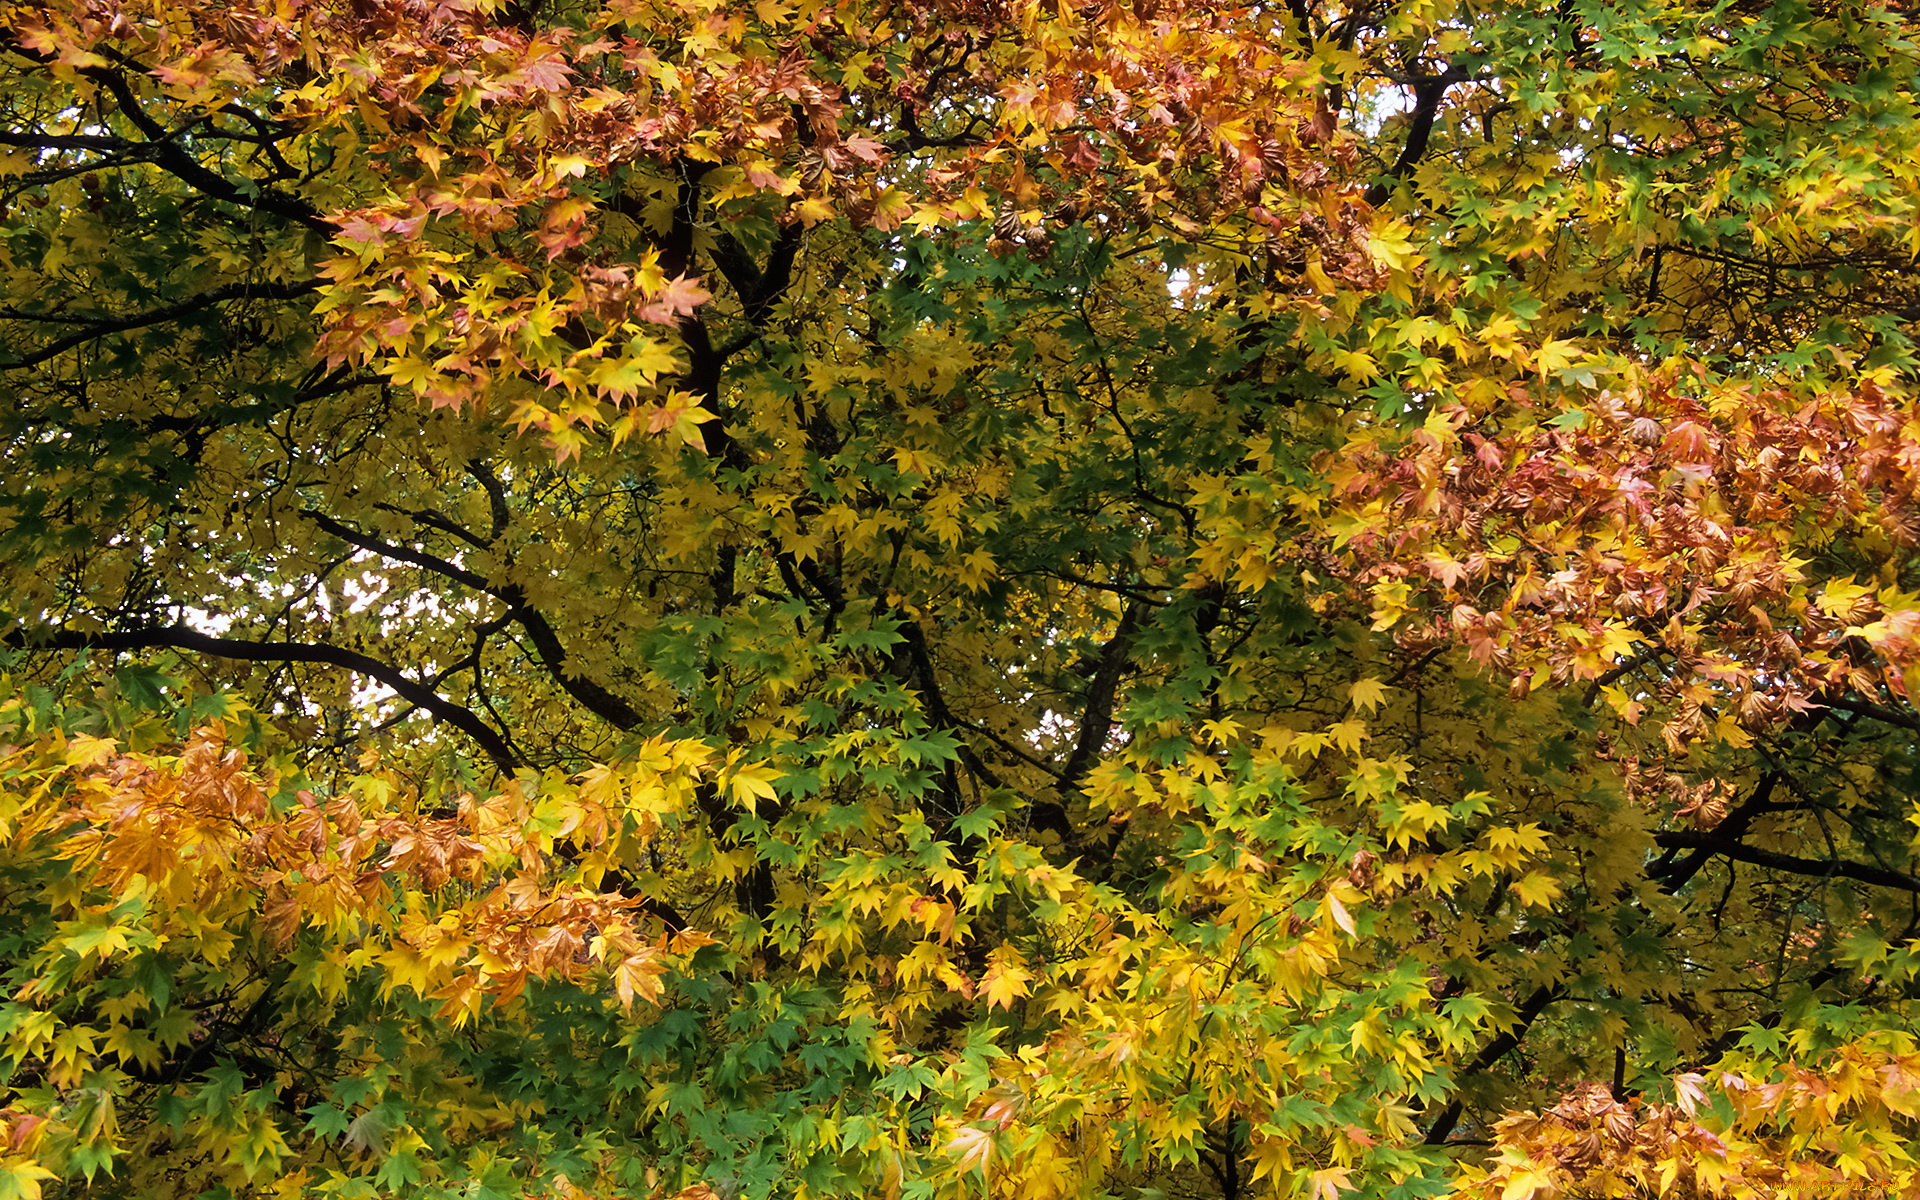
(475, 245)
(1777, 1131)
(458, 907)
(1672, 518)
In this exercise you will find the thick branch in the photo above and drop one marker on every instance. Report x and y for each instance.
(1096, 722)
(923, 674)
(759, 290)
(1716, 843)
(181, 638)
(497, 511)
(1096, 726)
(434, 519)
(103, 143)
(1061, 573)
(1491, 1053)
(1874, 712)
(1675, 875)
(105, 326)
(1428, 92)
(172, 157)
(405, 554)
(539, 630)
(553, 656)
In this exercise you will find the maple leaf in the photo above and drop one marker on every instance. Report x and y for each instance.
(971, 1148)
(21, 1179)
(639, 365)
(676, 298)
(752, 783)
(1328, 1183)
(1340, 916)
(1366, 695)
(1536, 889)
(357, 227)
(946, 504)
(1005, 981)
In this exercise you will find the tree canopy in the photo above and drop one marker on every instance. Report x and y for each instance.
(948, 598)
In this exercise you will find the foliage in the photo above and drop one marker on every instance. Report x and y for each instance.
(962, 598)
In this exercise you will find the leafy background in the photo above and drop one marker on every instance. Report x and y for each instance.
(942, 599)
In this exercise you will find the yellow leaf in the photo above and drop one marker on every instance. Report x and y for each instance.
(638, 977)
(1340, 915)
(1327, 1184)
(1366, 695)
(752, 784)
(1536, 889)
(1358, 364)
(1348, 735)
(84, 750)
(977, 569)
(1556, 354)
(686, 426)
(643, 362)
(971, 1147)
(20, 1178)
(1847, 600)
(813, 210)
(1225, 731)
(1390, 602)
(925, 218)
(1272, 1158)
(1517, 841)
(1528, 1184)
(1005, 981)
(1392, 246)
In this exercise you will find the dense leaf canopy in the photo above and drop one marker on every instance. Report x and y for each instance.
(959, 597)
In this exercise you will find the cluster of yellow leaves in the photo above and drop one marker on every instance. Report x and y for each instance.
(1259, 972)
(462, 905)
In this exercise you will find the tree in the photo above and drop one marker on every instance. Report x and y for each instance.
(972, 598)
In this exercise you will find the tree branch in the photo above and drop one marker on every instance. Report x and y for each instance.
(1428, 92)
(1096, 723)
(539, 630)
(405, 554)
(1793, 864)
(1674, 876)
(1491, 1053)
(1874, 712)
(103, 143)
(179, 637)
(104, 326)
(172, 157)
